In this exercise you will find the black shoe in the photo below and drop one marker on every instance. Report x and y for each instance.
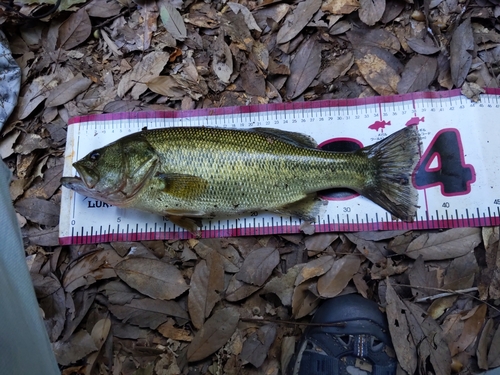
(362, 345)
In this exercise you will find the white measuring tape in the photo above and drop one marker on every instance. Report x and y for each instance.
(458, 176)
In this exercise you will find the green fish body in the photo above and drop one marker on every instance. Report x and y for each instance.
(200, 172)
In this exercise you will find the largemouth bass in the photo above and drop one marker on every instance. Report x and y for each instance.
(188, 173)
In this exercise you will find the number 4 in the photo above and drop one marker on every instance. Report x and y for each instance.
(451, 173)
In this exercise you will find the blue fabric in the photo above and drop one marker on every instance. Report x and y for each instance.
(24, 344)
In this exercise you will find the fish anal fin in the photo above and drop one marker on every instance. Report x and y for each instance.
(182, 185)
(192, 225)
(307, 208)
(296, 139)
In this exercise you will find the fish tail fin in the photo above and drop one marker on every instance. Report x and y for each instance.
(390, 184)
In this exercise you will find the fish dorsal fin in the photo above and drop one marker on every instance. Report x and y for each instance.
(183, 186)
(296, 139)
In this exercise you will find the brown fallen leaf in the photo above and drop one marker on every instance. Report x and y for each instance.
(444, 245)
(256, 346)
(77, 347)
(304, 68)
(68, 90)
(379, 38)
(470, 331)
(91, 267)
(461, 48)
(303, 301)
(371, 11)
(418, 74)
(258, 266)
(54, 312)
(103, 8)
(423, 46)
(494, 351)
(315, 268)
(147, 312)
(338, 276)
(119, 293)
(222, 61)
(378, 68)
(376, 252)
(153, 278)
(422, 276)
(403, 342)
(283, 286)
(214, 334)
(483, 344)
(144, 71)
(432, 345)
(252, 80)
(238, 290)
(75, 30)
(297, 20)
(320, 241)
(340, 7)
(204, 290)
(39, 211)
(173, 21)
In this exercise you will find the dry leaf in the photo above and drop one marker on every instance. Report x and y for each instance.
(482, 346)
(206, 284)
(258, 266)
(371, 11)
(283, 285)
(320, 241)
(402, 340)
(376, 252)
(238, 290)
(149, 313)
(304, 68)
(445, 245)
(303, 301)
(340, 7)
(461, 47)
(470, 331)
(379, 38)
(67, 91)
(173, 21)
(91, 267)
(75, 30)
(215, 333)
(418, 74)
(39, 211)
(249, 19)
(314, 268)
(338, 276)
(375, 65)
(423, 47)
(77, 347)
(103, 8)
(256, 346)
(431, 340)
(153, 278)
(494, 352)
(297, 20)
(144, 71)
(222, 60)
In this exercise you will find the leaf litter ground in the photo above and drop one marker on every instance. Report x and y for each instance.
(238, 305)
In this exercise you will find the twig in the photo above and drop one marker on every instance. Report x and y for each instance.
(277, 321)
(445, 294)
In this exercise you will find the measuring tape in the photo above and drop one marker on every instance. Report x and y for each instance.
(457, 175)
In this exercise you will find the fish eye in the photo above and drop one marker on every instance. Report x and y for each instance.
(94, 156)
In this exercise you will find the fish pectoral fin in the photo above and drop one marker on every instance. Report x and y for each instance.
(306, 208)
(182, 185)
(192, 225)
(296, 139)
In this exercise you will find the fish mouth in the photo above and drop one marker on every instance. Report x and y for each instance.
(88, 176)
(72, 183)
